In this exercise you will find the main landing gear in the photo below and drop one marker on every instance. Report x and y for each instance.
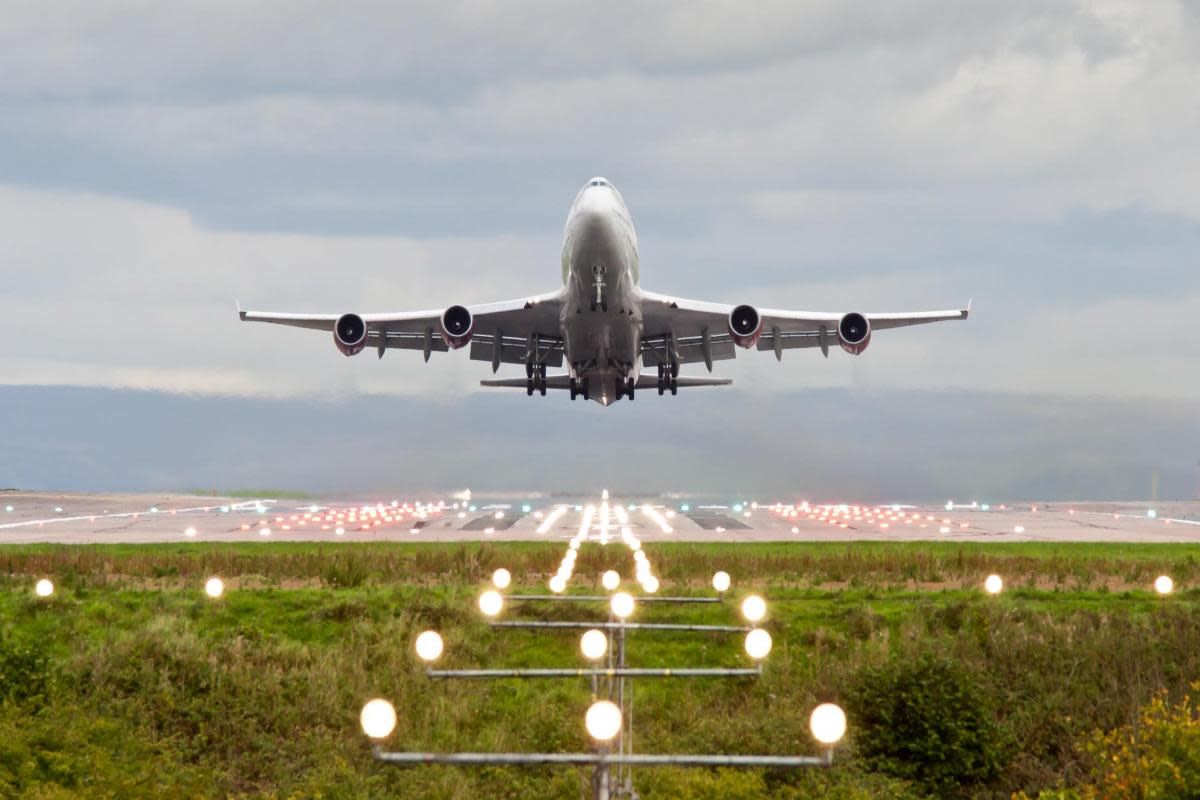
(668, 378)
(625, 388)
(580, 388)
(535, 379)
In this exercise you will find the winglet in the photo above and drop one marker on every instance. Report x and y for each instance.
(967, 310)
(241, 314)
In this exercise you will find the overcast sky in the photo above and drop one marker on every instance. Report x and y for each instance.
(159, 162)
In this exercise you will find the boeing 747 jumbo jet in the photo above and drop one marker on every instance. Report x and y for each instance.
(601, 324)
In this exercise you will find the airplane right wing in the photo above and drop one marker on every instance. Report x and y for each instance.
(503, 332)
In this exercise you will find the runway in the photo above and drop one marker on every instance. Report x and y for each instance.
(43, 517)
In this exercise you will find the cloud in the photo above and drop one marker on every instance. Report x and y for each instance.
(825, 445)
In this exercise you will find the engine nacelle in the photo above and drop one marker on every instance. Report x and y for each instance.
(745, 325)
(457, 326)
(854, 333)
(350, 334)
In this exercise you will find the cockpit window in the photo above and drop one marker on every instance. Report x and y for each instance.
(599, 183)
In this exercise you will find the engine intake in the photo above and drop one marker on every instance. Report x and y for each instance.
(350, 334)
(457, 326)
(745, 325)
(854, 333)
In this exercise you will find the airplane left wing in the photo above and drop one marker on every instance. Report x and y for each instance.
(503, 332)
(703, 331)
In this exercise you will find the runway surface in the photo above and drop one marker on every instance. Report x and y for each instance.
(138, 518)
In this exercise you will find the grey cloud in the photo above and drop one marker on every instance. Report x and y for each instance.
(868, 446)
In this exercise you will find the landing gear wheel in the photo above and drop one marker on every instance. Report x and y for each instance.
(587, 392)
(630, 385)
(529, 387)
(574, 388)
(604, 305)
(674, 386)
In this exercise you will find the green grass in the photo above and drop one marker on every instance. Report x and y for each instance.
(153, 690)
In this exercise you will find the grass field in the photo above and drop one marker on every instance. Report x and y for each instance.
(129, 682)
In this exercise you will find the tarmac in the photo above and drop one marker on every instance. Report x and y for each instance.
(45, 517)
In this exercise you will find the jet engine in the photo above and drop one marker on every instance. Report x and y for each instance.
(854, 333)
(745, 325)
(350, 334)
(457, 326)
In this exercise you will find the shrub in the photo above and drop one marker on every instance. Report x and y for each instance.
(25, 669)
(925, 720)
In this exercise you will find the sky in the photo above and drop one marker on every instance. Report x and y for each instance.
(161, 162)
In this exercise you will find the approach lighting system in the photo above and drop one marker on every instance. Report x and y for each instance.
(594, 644)
(758, 644)
(603, 720)
(610, 580)
(44, 588)
(558, 584)
(501, 578)
(650, 584)
(190, 532)
(214, 587)
(622, 604)
(994, 584)
(754, 608)
(378, 719)
(429, 646)
(828, 724)
(1163, 584)
(490, 602)
(721, 581)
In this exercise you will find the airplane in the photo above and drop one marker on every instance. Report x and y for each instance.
(601, 324)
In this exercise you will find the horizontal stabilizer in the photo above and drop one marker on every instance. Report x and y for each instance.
(645, 381)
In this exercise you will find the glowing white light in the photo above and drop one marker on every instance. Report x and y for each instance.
(378, 719)
(498, 515)
(650, 584)
(721, 581)
(429, 645)
(622, 604)
(994, 584)
(214, 587)
(190, 532)
(1152, 513)
(491, 602)
(501, 578)
(603, 720)
(1019, 529)
(758, 644)
(827, 723)
(558, 584)
(340, 531)
(594, 644)
(8, 508)
(1163, 584)
(610, 580)
(44, 588)
(754, 608)
(264, 531)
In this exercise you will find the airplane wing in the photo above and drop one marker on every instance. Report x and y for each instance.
(503, 332)
(699, 331)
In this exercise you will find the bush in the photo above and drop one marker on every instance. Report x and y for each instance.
(925, 720)
(24, 669)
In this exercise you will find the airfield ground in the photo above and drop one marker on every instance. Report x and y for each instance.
(108, 518)
(129, 681)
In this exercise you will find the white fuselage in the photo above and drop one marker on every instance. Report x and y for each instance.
(602, 318)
